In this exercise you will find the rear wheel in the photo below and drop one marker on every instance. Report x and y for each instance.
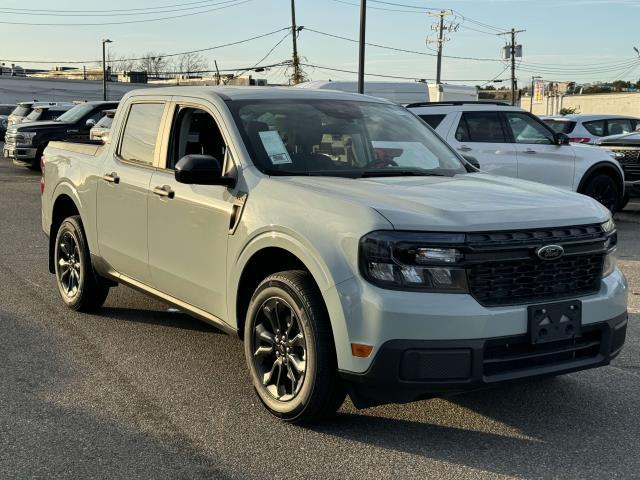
(290, 351)
(78, 284)
(604, 189)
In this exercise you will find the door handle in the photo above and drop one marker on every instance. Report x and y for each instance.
(530, 150)
(464, 148)
(164, 191)
(111, 177)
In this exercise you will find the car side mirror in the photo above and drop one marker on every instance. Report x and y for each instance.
(90, 123)
(201, 170)
(474, 163)
(561, 139)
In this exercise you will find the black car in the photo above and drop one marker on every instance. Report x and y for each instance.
(24, 143)
(626, 149)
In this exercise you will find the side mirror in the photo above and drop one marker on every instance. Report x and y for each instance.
(202, 170)
(473, 161)
(90, 123)
(561, 139)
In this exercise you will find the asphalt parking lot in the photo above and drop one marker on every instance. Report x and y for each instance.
(139, 391)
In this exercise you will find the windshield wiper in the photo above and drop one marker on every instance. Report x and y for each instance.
(400, 173)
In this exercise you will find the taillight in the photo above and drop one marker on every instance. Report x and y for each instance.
(579, 139)
(42, 177)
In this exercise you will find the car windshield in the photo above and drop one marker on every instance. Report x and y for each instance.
(105, 122)
(75, 114)
(35, 115)
(341, 138)
(21, 111)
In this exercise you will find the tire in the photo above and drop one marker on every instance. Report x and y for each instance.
(625, 201)
(35, 166)
(603, 188)
(79, 286)
(300, 349)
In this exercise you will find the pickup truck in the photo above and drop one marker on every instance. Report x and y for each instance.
(349, 247)
(24, 143)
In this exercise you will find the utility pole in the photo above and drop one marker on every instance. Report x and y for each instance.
(363, 28)
(297, 74)
(440, 29)
(512, 51)
(104, 69)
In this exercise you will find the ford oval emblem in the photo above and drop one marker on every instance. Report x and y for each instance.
(550, 252)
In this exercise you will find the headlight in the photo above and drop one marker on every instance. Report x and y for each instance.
(413, 261)
(25, 137)
(611, 245)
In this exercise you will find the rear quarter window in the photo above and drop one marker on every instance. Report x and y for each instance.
(560, 126)
(433, 120)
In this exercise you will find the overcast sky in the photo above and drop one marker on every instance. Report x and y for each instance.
(585, 40)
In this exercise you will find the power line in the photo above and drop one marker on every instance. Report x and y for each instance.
(396, 49)
(148, 11)
(173, 17)
(77, 62)
(107, 11)
(267, 54)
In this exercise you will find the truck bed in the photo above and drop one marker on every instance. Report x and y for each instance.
(87, 147)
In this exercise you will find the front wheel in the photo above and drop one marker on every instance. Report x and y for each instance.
(290, 351)
(604, 189)
(79, 286)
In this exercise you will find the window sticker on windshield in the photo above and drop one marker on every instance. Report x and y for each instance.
(275, 147)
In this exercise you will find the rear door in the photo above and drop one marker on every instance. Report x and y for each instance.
(124, 189)
(482, 134)
(539, 158)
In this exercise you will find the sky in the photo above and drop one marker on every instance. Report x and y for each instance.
(580, 40)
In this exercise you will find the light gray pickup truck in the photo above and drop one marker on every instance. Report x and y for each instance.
(349, 247)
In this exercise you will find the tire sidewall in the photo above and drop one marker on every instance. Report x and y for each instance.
(600, 178)
(280, 289)
(70, 225)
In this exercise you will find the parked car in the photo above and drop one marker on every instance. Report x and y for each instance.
(349, 246)
(5, 111)
(25, 143)
(101, 131)
(22, 109)
(509, 141)
(47, 112)
(582, 128)
(626, 150)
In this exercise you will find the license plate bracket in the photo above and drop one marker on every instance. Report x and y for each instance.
(551, 322)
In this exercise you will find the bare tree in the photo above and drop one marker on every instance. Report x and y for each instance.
(153, 63)
(190, 63)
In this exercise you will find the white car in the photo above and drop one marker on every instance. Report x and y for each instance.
(589, 128)
(509, 141)
(349, 246)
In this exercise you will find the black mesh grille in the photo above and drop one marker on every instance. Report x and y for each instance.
(627, 156)
(522, 281)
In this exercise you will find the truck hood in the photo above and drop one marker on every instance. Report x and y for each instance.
(35, 126)
(472, 202)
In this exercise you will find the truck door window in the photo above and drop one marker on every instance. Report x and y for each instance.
(141, 132)
(195, 131)
(480, 127)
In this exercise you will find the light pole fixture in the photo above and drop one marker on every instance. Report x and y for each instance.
(533, 80)
(104, 68)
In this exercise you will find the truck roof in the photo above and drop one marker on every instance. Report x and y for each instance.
(255, 93)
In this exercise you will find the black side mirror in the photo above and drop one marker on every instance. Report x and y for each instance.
(90, 123)
(561, 139)
(475, 164)
(201, 170)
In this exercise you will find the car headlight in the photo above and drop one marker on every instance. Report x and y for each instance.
(611, 246)
(414, 261)
(26, 137)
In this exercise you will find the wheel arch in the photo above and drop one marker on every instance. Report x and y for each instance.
(606, 168)
(64, 206)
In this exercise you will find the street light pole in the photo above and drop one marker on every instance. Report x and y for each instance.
(104, 69)
(363, 27)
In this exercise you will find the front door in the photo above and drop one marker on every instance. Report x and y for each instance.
(539, 158)
(189, 224)
(482, 135)
(123, 193)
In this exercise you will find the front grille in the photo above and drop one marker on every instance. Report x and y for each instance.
(503, 357)
(629, 159)
(504, 269)
(12, 138)
(527, 281)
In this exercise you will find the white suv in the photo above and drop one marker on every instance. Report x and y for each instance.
(509, 141)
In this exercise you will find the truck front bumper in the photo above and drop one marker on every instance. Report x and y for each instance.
(20, 154)
(408, 370)
(426, 344)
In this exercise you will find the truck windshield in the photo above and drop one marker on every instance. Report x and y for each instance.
(75, 114)
(341, 138)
